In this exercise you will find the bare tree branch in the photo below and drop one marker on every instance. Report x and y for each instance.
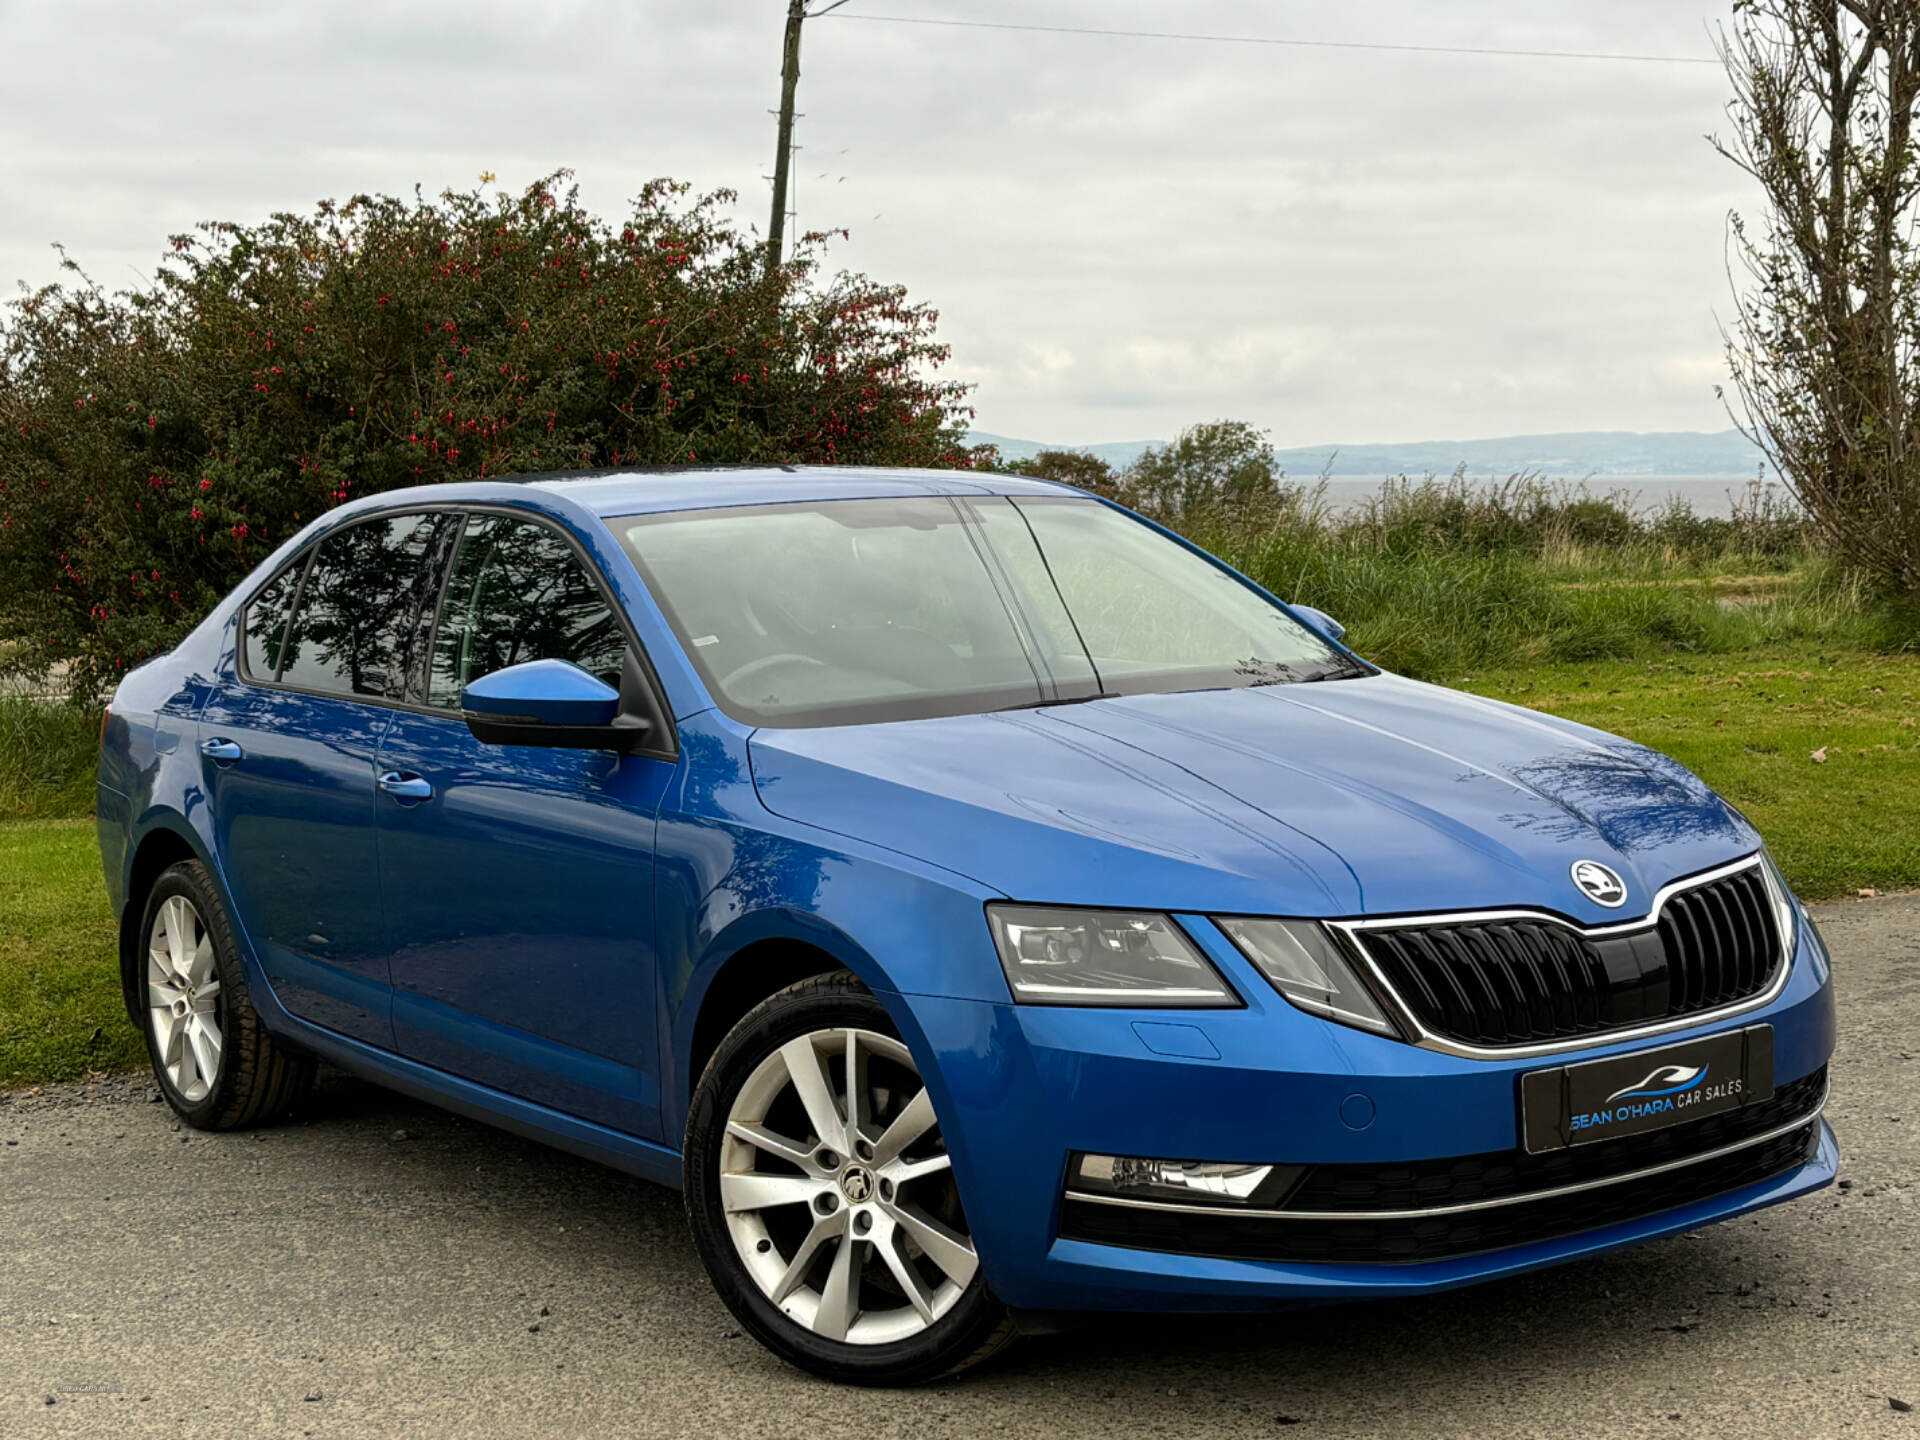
(1824, 345)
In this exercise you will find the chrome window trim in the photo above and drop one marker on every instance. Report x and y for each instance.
(1467, 1206)
(1351, 932)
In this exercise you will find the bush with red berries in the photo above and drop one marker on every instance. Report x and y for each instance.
(154, 446)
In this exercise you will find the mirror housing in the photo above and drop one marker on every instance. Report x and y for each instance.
(1321, 621)
(549, 702)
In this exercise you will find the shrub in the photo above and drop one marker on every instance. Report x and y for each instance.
(1076, 467)
(155, 445)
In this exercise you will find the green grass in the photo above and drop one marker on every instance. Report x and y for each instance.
(1749, 725)
(46, 759)
(61, 1017)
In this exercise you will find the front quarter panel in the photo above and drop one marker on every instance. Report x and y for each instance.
(730, 874)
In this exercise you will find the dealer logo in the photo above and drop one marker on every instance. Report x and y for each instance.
(1599, 884)
(1665, 1080)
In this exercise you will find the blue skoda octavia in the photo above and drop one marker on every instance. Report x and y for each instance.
(979, 900)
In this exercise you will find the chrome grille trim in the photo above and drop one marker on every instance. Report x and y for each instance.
(1352, 934)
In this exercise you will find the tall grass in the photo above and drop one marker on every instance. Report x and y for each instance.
(1435, 578)
(1528, 515)
(47, 754)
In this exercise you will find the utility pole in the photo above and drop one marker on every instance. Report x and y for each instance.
(797, 15)
(789, 82)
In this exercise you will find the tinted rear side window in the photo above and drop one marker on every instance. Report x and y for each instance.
(519, 592)
(361, 606)
(264, 626)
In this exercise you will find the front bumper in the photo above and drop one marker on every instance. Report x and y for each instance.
(1019, 1088)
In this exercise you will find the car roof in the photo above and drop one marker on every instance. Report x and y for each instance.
(635, 492)
(644, 491)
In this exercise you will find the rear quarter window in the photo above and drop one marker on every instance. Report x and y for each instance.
(263, 624)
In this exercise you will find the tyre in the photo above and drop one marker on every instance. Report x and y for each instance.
(822, 1199)
(217, 1066)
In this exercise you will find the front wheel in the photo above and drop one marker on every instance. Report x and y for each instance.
(822, 1198)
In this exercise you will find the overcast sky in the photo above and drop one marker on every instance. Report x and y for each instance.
(1122, 235)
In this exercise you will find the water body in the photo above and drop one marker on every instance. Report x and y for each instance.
(1709, 495)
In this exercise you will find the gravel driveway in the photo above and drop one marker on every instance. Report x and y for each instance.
(381, 1269)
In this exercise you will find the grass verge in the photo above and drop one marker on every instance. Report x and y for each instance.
(60, 1012)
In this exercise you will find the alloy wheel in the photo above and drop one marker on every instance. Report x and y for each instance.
(838, 1191)
(183, 993)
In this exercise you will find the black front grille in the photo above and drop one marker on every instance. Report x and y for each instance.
(1465, 1179)
(1515, 982)
(1434, 1237)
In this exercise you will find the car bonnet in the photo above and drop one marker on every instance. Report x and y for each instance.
(1377, 795)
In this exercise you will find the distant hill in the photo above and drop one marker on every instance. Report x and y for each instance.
(1604, 454)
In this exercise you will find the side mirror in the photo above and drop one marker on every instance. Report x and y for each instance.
(548, 702)
(1321, 621)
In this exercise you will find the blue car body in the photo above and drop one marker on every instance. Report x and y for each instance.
(552, 943)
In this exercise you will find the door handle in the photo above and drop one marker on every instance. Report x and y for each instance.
(405, 787)
(222, 751)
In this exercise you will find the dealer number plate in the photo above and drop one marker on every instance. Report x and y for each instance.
(1647, 1090)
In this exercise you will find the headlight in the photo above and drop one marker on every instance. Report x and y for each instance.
(1306, 965)
(1786, 913)
(1102, 957)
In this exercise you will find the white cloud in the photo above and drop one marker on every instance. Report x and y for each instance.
(1121, 235)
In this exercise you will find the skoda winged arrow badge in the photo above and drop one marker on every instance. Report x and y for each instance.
(1599, 884)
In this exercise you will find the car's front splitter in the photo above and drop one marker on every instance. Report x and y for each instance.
(1108, 1277)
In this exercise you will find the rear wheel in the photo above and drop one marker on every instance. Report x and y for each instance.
(822, 1197)
(216, 1065)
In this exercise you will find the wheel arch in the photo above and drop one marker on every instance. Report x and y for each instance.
(755, 957)
(168, 841)
(755, 970)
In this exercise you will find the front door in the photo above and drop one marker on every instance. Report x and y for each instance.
(518, 881)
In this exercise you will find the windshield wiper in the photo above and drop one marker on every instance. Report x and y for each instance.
(1064, 700)
(1261, 673)
(1344, 670)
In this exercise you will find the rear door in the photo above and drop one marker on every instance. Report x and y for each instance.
(518, 881)
(288, 742)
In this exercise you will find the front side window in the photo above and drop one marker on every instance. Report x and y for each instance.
(846, 611)
(1148, 609)
(519, 592)
(360, 608)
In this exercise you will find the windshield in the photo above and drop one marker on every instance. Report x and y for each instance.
(841, 612)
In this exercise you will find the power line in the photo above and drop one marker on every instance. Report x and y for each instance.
(1273, 40)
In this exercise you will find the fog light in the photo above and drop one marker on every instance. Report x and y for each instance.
(1198, 1182)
